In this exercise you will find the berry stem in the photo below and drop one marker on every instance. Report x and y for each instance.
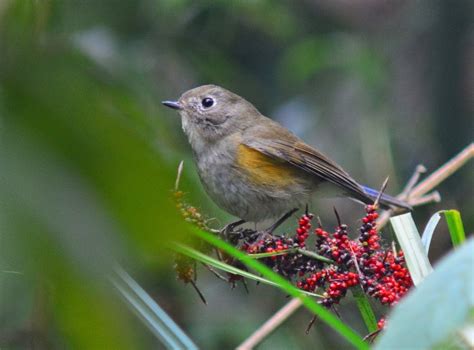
(301, 251)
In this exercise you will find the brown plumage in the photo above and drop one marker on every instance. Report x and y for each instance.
(253, 167)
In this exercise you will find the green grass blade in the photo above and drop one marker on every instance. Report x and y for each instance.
(323, 314)
(410, 242)
(159, 323)
(292, 251)
(455, 226)
(206, 259)
(365, 309)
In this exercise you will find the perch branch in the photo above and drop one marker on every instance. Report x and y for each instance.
(415, 195)
(273, 323)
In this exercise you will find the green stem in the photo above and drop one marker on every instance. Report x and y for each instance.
(314, 255)
(365, 309)
(308, 253)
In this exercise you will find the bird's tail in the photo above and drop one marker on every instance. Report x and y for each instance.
(386, 200)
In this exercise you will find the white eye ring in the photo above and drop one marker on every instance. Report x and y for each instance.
(207, 102)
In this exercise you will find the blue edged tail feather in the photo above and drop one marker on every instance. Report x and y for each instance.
(386, 200)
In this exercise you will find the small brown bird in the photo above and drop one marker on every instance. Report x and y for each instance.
(253, 167)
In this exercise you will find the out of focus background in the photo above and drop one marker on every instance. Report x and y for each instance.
(89, 155)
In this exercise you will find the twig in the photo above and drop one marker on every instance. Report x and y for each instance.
(414, 195)
(420, 169)
(311, 323)
(339, 223)
(215, 273)
(178, 176)
(382, 190)
(444, 172)
(269, 326)
(433, 197)
(198, 291)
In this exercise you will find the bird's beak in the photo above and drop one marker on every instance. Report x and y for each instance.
(172, 104)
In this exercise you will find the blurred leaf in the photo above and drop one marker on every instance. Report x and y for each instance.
(305, 58)
(89, 317)
(369, 66)
(76, 118)
(150, 312)
(81, 187)
(443, 304)
(410, 242)
(455, 225)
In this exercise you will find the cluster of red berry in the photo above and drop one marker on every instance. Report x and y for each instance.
(302, 232)
(380, 272)
(336, 264)
(337, 284)
(369, 236)
(290, 261)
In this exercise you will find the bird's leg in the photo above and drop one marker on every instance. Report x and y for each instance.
(230, 228)
(280, 221)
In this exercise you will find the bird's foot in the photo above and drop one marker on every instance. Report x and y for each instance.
(229, 228)
(269, 231)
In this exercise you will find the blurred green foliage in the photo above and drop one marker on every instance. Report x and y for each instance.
(89, 156)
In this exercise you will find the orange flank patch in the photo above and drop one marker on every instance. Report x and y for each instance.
(263, 169)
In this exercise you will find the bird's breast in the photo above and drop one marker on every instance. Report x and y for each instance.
(248, 184)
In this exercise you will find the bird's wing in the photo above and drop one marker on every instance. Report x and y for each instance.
(284, 146)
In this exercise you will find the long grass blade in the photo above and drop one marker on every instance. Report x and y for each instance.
(455, 226)
(365, 309)
(206, 259)
(409, 239)
(155, 318)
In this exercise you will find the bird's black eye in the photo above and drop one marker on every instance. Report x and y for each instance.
(207, 102)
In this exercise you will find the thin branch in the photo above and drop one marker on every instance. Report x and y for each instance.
(311, 323)
(413, 197)
(215, 273)
(420, 169)
(382, 190)
(269, 326)
(433, 197)
(198, 291)
(444, 172)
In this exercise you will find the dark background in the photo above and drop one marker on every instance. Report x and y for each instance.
(89, 155)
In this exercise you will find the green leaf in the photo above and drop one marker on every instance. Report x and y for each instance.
(409, 239)
(455, 226)
(206, 259)
(365, 309)
(436, 311)
(292, 251)
(349, 334)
